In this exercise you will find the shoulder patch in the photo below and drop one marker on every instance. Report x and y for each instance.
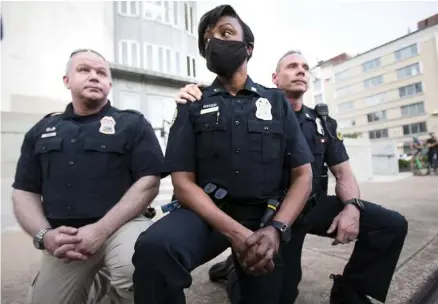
(339, 135)
(52, 114)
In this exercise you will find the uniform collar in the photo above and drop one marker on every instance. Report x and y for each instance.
(69, 113)
(218, 87)
(306, 113)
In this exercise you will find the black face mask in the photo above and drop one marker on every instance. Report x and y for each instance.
(224, 57)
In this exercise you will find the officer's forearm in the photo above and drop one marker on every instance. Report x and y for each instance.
(346, 184)
(28, 209)
(194, 198)
(132, 204)
(297, 195)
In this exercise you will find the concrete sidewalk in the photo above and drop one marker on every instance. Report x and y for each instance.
(414, 197)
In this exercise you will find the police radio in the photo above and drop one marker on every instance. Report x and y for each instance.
(322, 111)
(271, 209)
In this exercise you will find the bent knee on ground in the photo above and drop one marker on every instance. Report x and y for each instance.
(152, 246)
(398, 224)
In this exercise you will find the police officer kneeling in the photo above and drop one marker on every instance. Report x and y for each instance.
(380, 232)
(231, 145)
(84, 180)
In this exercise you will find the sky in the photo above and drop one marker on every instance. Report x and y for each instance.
(321, 29)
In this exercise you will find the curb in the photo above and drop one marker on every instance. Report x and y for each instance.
(416, 279)
(426, 290)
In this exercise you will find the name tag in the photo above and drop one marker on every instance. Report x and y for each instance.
(48, 135)
(209, 110)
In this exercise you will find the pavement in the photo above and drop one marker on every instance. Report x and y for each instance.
(417, 271)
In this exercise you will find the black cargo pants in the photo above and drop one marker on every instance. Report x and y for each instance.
(382, 233)
(167, 252)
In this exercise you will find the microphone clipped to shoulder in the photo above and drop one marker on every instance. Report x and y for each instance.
(322, 112)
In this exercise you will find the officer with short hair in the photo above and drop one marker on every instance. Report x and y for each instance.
(226, 157)
(380, 233)
(84, 179)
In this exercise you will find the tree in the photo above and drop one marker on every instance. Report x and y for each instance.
(352, 135)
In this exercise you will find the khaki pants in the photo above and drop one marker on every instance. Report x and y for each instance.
(106, 277)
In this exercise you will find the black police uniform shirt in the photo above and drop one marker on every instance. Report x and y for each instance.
(83, 165)
(237, 142)
(326, 149)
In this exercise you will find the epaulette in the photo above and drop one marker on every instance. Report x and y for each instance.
(132, 111)
(52, 114)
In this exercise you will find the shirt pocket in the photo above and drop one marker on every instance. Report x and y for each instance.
(105, 157)
(265, 141)
(49, 154)
(210, 137)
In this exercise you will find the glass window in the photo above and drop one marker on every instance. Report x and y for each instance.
(414, 109)
(371, 64)
(346, 106)
(373, 82)
(410, 70)
(376, 116)
(415, 128)
(410, 90)
(406, 52)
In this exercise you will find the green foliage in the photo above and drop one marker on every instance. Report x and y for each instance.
(351, 135)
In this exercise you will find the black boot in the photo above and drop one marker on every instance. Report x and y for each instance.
(219, 272)
(344, 293)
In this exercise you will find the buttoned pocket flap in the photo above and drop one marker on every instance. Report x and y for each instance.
(47, 145)
(106, 146)
(206, 126)
(265, 127)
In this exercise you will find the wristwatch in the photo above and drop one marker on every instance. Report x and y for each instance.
(357, 203)
(38, 239)
(283, 229)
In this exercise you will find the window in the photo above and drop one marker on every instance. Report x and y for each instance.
(317, 85)
(129, 53)
(318, 98)
(188, 17)
(342, 75)
(177, 64)
(191, 66)
(347, 123)
(408, 71)
(344, 91)
(376, 134)
(410, 90)
(371, 64)
(415, 128)
(373, 82)
(176, 15)
(375, 99)
(154, 10)
(414, 109)
(129, 8)
(346, 106)
(406, 52)
(157, 58)
(376, 116)
(148, 55)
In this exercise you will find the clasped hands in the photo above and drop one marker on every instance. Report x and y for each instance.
(255, 251)
(74, 244)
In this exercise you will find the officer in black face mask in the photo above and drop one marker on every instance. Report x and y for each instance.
(226, 155)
